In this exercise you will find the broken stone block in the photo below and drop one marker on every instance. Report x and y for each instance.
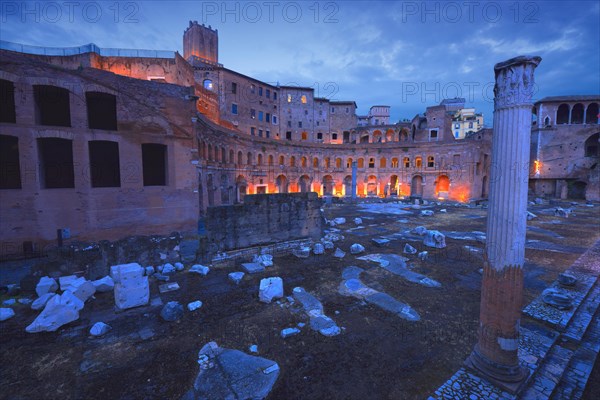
(358, 221)
(266, 260)
(199, 269)
(105, 284)
(179, 266)
(46, 285)
(253, 268)
(131, 286)
(41, 301)
(269, 289)
(232, 374)
(65, 281)
(150, 271)
(530, 216)
(6, 313)
(188, 249)
(557, 298)
(567, 279)
(380, 242)
(172, 311)
(426, 213)
(161, 277)
(443, 210)
(302, 252)
(59, 310)
(287, 332)
(435, 239)
(168, 269)
(194, 305)
(236, 277)
(422, 255)
(339, 253)
(328, 244)
(9, 302)
(168, 287)
(356, 248)
(84, 291)
(318, 248)
(562, 212)
(253, 348)
(420, 230)
(99, 329)
(339, 220)
(539, 201)
(408, 249)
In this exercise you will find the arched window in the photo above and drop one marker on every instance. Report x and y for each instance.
(361, 163)
(591, 146)
(249, 158)
(349, 163)
(430, 162)
(259, 159)
(270, 159)
(281, 160)
(382, 163)
(327, 163)
(223, 155)
(338, 163)
(562, 114)
(394, 162)
(303, 162)
(547, 121)
(418, 162)
(591, 115)
(292, 161)
(371, 162)
(231, 157)
(315, 162)
(210, 153)
(239, 160)
(304, 135)
(208, 85)
(534, 116)
(406, 162)
(577, 114)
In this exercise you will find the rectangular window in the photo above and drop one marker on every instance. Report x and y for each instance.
(260, 90)
(268, 117)
(104, 163)
(274, 95)
(433, 134)
(289, 98)
(347, 110)
(317, 123)
(56, 162)
(267, 133)
(299, 124)
(305, 112)
(252, 89)
(320, 135)
(260, 132)
(10, 169)
(252, 113)
(252, 131)
(289, 124)
(268, 93)
(288, 135)
(233, 87)
(154, 164)
(334, 136)
(332, 109)
(260, 115)
(52, 105)
(7, 102)
(101, 110)
(233, 108)
(274, 119)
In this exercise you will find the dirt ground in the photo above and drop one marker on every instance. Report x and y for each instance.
(377, 356)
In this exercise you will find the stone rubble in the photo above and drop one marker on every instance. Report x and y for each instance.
(253, 268)
(105, 284)
(6, 313)
(46, 285)
(172, 311)
(435, 239)
(270, 288)
(59, 310)
(302, 252)
(99, 329)
(356, 248)
(319, 249)
(408, 249)
(236, 277)
(358, 221)
(131, 285)
(339, 253)
(422, 255)
(41, 301)
(420, 230)
(199, 269)
(287, 332)
(314, 309)
(266, 260)
(194, 305)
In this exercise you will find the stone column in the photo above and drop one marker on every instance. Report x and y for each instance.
(354, 168)
(495, 355)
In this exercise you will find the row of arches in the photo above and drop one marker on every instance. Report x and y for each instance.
(575, 114)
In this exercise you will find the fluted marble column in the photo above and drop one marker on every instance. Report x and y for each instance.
(495, 355)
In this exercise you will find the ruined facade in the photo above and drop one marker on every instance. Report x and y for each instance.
(565, 147)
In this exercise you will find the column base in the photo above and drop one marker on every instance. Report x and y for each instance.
(508, 378)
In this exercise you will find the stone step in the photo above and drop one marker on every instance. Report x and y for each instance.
(581, 320)
(577, 373)
(548, 375)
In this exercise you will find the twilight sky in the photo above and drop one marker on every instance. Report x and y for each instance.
(406, 54)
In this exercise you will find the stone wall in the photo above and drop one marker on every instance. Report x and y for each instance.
(263, 219)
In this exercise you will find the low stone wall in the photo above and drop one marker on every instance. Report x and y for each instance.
(263, 219)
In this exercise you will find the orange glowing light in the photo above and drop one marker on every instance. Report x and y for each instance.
(537, 166)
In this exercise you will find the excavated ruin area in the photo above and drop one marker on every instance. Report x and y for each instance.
(377, 355)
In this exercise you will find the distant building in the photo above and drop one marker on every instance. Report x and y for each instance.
(466, 121)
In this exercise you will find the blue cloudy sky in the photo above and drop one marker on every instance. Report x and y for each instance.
(406, 54)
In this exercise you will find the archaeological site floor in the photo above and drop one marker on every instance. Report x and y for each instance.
(377, 355)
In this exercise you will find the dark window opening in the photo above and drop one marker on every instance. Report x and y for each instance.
(52, 105)
(154, 164)
(371, 163)
(7, 101)
(105, 170)
(577, 114)
(334, 136)
(288, 135)
(319, 135)
(56, 161)
(101, 110)
(591, 146)
(233, 87)
(10, 170)
(562, 114)
(434, 133)
(592, 116)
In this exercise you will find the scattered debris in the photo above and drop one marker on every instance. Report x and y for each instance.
(131, 286)
(422, 255)
(314, 309)
(339, 220)
(65, 281)
(253, 268)
(397, 265)
(380, 242)
(41, 301)
(161, 277)
(25, 301)
(287, 332)
(168, 287)
(99, 329)
(319, 249)
(194, 305)
(562, 212)
(557, 298)
(82, 288)
(530, 216)
(168, 269)
(253, 348)
(426, 213)
(408, 249)
(172, 311)
(339, 253)
(327, 244)
(435, 239)
(9, 302)
(59, 310)
(236, 277)
(269, 289)
(539, 201)
(179, 266)
(567, 279)
(6, 313)
(443, 210)
(232, 374)
(358, 221)
(420, 230)
(266, 260)
(150, 271)
(46, 285)
(356, 248)
(199, 269)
